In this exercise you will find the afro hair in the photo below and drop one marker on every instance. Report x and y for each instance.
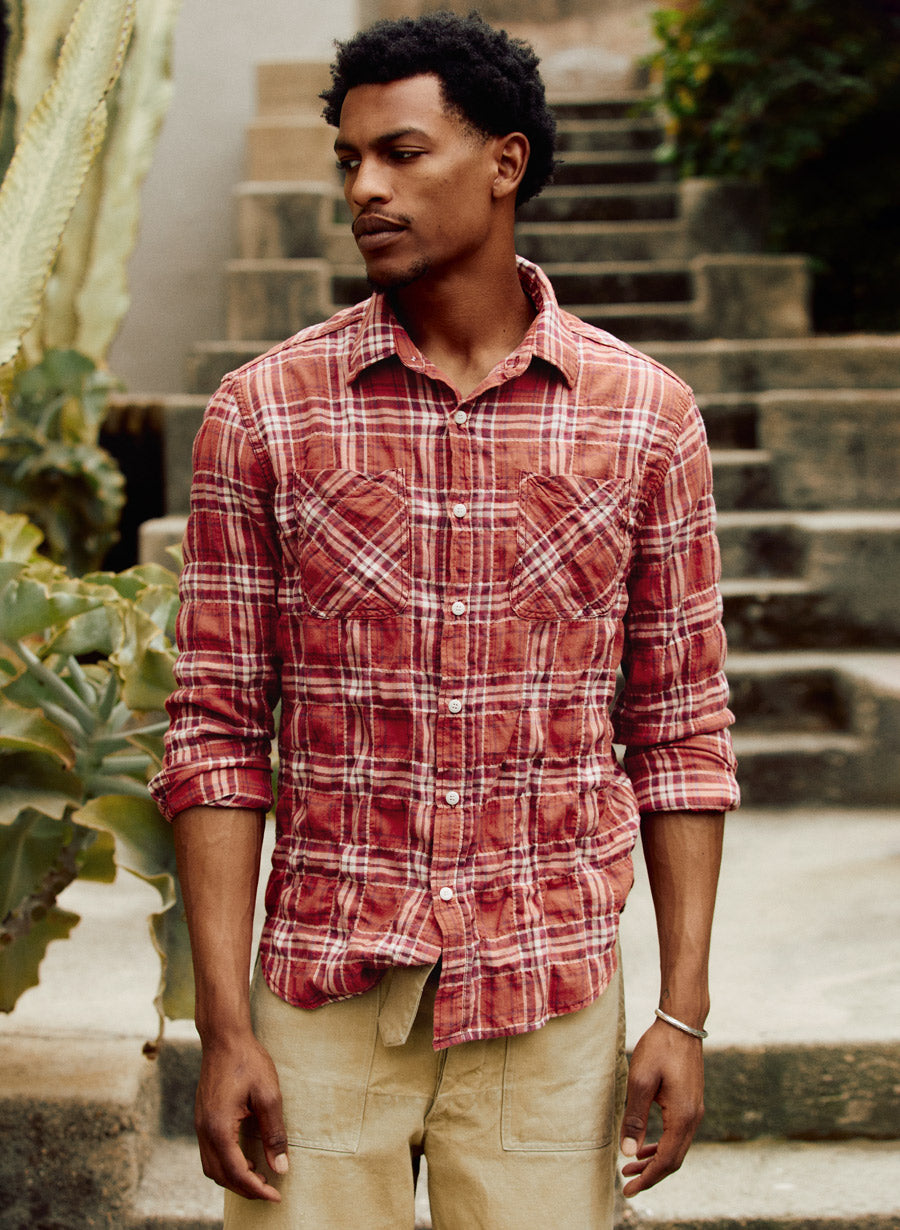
(489, 79)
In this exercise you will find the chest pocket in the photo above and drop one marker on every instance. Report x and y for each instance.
(572, 546)
(351, 542)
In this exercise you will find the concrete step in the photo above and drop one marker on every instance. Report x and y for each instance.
(850, 362)
(641, 133)
(778, 613)
(629, 166)
(174, 1193)
(624, 106)
(731, 419)
(834, 448)
(773, 1185)
(638, 322)
(286, 87)
(765, 1185)
(761, 542)
(791, 769)
(609, 203)
(556, 242)
(290, 147)
(283, 221)
(612, 283)
(742, 478)
(790, 698)
(207, 362)
(276, 298)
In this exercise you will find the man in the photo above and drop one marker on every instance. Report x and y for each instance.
(433, 527)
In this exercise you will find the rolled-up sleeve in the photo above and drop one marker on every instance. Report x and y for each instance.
(672, 713)
(218, 746)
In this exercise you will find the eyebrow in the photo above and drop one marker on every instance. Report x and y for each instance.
(385, 139)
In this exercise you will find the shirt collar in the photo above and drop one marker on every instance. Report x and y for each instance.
(381, 335)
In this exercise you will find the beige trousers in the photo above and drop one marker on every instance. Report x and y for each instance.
(519, 1133)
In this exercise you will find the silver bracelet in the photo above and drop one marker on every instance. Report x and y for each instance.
(686, 1029)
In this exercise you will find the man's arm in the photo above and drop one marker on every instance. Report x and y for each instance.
(683, 851)
(218, 851)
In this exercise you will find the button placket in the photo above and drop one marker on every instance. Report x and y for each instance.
(451, 727)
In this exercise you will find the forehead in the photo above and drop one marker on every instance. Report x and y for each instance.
(371, 111)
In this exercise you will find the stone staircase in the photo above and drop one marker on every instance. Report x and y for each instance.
(800, 1134)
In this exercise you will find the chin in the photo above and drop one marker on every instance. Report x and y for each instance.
(396, 279)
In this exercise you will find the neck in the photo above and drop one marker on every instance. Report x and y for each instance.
(466, 324)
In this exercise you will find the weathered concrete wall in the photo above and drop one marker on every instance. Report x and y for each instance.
(583, 44)
(187, 223)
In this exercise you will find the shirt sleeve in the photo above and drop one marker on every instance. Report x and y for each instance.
(218, 746)
(672, 713)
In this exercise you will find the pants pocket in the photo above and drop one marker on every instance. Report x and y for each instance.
(323, 1057)
(560, 1082)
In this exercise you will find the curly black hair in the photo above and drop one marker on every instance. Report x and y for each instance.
(488, 78)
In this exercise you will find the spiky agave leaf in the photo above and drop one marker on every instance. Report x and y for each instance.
(57, 145)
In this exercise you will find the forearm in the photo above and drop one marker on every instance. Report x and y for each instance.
(218, 852)
(683, 851)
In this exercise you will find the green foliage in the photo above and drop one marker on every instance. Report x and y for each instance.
(802, 97)
(753, 86)
(85, 668)
(51, 467)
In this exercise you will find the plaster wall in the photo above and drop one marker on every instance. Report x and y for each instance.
(187, 216)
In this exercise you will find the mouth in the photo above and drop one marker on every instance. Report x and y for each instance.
(373, 231)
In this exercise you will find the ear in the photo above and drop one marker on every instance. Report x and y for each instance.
(511, 154)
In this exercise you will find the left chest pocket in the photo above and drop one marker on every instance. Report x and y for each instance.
(572, 546)
(351, 542)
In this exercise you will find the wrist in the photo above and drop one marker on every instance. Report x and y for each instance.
(673, 1022)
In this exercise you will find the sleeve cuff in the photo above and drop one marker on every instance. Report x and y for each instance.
(696, 774)
(226, 787)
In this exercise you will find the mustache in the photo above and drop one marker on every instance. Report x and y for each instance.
(369, 222)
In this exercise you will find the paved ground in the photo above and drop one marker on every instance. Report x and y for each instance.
(805, 946)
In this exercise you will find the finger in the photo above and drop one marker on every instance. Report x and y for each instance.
(272, 1133)
(658, 1161)
(638, 1101)
(226, 1164)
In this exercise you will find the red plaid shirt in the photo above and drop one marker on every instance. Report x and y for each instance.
(440, 592)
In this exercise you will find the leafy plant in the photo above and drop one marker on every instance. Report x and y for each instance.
(754, 86)
(85, 668)
(801, 97)
(51, 467)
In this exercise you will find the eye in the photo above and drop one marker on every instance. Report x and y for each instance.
(405, 155)
(345, 165)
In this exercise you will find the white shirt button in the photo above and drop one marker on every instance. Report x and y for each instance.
(452, 797)
(458, 608)
(446, 894)
(459, 510)
(460, 418)
(455, 706)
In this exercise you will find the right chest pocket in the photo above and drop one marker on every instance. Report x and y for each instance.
(349, 538)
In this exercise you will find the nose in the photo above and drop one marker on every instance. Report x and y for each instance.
(367, 183)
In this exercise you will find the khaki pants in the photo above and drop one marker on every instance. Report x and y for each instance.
(519, 1133)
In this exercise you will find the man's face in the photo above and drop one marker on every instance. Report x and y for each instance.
(417, 179)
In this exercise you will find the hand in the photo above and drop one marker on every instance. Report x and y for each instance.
(666, 1068)
(238, 1081)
